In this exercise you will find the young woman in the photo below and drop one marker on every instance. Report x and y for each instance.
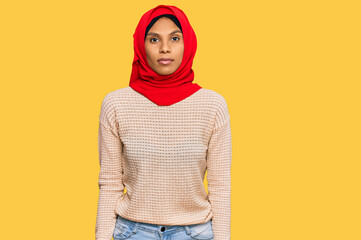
(158, 136)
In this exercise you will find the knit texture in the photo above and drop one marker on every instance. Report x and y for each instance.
(160, 155)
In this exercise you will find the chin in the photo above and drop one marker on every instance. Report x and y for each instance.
(165, 72)
(168, 73)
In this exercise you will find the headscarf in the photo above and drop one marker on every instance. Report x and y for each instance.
(164, 90)
(154, 20)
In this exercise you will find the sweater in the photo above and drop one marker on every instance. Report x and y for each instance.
(160, 155)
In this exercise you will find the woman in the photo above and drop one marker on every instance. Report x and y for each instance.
(158, 136)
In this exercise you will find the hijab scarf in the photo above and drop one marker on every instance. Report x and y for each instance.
(164, 90)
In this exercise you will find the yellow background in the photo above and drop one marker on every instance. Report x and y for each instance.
(289, 70)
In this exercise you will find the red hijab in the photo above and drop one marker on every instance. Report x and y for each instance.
(164, 90)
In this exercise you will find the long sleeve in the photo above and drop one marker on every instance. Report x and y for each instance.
(110, 182)
(219, 157)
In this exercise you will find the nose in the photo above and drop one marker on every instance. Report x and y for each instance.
(164, 47)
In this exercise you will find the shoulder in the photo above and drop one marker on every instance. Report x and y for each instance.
(220, 106)
(215, 96)
(216, 99)
(110, 104)
(116, 94)
(117, 97)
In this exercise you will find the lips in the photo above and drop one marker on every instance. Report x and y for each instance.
(165, 61)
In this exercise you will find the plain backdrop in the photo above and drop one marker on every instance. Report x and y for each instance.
(289, 71)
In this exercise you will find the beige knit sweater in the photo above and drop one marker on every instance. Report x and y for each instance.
(160, 155)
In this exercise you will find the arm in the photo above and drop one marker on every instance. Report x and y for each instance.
(219, 158)
(110, 176)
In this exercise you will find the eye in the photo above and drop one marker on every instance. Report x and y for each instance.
(175, 37)
(152, 39)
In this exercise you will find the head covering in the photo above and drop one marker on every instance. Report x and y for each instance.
(170, 16)
(164, 90)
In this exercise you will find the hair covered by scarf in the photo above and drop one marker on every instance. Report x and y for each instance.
(154, 20)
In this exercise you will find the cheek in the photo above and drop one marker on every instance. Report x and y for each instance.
(180, 53)
(150, 53)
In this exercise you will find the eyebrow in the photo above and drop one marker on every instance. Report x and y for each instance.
(156, 34)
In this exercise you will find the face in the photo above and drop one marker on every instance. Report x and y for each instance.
(164, 40)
